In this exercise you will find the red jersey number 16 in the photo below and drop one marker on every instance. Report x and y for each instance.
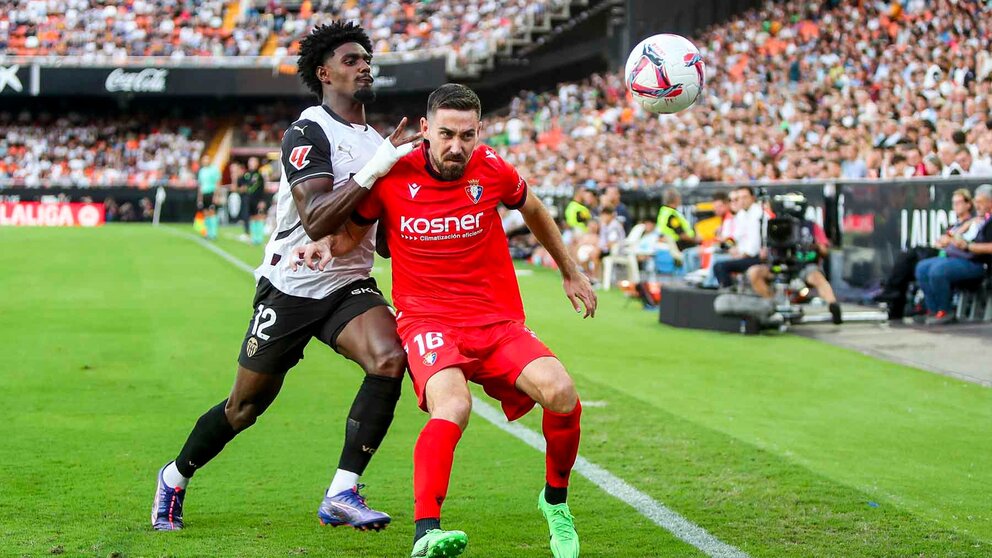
(427, 342)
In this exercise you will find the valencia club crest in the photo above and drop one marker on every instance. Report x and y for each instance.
(474, 191)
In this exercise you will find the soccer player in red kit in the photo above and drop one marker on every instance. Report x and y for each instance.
(460, 314)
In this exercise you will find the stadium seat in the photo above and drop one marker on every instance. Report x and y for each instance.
(974, 300)
(627, 261)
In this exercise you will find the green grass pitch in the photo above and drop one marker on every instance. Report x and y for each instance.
(114, 340)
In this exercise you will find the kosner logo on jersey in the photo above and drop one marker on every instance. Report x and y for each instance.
(419, 225)
(149, 80)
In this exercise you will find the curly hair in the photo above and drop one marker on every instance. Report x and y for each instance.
(316, 47)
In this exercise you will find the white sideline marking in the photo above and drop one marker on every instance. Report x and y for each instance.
(593, 404)
(613, 485)
(657, 512)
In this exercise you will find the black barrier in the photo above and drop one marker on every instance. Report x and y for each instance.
(185, 81)
(868, 222)
(179, 205)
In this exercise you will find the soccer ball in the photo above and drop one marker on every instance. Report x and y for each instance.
(665, 73)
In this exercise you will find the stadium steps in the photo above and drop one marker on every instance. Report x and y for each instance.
(232, 13)
(561, 22)
(534, 30)
(219, 148)
(271, 42)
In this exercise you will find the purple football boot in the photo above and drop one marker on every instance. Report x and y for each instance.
(167, 510)
(349, 508)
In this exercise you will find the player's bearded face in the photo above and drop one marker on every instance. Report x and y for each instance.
(452, 136)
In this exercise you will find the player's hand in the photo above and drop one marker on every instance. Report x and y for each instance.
(315, 255)
(397, 138)
(578, 288)
(386, 155)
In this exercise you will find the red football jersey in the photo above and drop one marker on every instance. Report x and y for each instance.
(450, 258)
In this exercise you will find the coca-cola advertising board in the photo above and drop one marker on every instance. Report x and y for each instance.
(423, 75)
(37, 214)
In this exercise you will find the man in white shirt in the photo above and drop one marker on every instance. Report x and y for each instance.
(747, 238)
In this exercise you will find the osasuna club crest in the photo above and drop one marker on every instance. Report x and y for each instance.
(430, 358)
(474, 191)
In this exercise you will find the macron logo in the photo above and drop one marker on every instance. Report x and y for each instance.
(414, 188)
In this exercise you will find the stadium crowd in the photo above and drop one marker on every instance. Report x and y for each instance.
(88, 150)
(116, 30)
(796, 90)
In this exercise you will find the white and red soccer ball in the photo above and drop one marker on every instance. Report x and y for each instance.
(665, 73)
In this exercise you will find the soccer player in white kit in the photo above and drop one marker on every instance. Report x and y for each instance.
(330, 159)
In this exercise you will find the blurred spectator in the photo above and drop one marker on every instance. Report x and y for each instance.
(111, 32)
(611, 198)
(611, 233)
(587, 251)
(965, 258)
(672, 224)
(903, 270)
(746, 250)
(577, 213)
(72, 149)
(795, 91)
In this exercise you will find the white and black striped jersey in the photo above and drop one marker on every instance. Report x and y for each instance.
(320, 143)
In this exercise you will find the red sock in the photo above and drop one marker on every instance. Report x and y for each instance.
(432, 458)
(562, 434)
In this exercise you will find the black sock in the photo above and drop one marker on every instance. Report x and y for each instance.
(212, 432)
(369, 419)
(554, 496)
(424, 525)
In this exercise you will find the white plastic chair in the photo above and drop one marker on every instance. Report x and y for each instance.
(626, 259)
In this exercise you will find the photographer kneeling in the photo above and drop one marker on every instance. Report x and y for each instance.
(798, 244)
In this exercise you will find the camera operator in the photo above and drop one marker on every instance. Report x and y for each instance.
(798, 244)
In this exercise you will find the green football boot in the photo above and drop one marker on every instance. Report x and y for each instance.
(437, 543)
(564, 539)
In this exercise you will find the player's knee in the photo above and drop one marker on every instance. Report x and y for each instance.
(560, 395)
(454, 409)
(390, 363)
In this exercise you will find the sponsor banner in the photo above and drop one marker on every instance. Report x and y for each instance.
(869, 223)
(37, 214)
(15, 80)
(403, 77)
(879, 220)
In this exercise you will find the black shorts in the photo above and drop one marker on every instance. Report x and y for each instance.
(282, 325)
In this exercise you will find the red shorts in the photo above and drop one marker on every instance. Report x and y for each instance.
(492, 356)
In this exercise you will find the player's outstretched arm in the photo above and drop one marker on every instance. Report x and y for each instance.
(577, 286)
(317, 254)
(324, 209)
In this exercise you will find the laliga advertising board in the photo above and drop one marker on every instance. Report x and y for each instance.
(37, 214)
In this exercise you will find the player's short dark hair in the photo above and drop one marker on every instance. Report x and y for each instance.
(720, 196)
(747, 189)
(453, 96)
(320, 44)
